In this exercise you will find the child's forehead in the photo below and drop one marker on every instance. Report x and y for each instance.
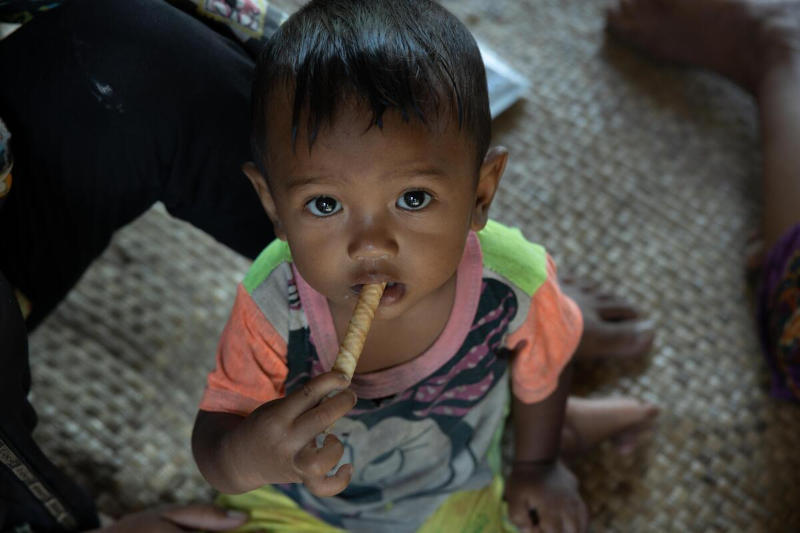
(352, 145)
(351, 117)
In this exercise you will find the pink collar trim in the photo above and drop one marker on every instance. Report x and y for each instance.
(398, 378)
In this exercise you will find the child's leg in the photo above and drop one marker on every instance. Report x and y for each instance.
(589, 421)
(757, 45)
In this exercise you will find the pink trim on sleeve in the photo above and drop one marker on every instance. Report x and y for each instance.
(251, 362)
(551, 333)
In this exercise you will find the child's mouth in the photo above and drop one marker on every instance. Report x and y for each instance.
(393, 293)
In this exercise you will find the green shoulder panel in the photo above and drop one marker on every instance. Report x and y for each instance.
(268, 260)
(508, 253)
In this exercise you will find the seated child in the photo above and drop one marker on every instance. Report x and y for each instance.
(371, 134)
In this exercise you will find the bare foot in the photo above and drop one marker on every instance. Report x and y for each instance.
(740, 39)
(612, 326)
(590, 421)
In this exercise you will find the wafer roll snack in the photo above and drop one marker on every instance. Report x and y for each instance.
(353, 343)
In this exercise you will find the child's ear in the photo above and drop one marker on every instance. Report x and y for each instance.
(488, 179)
(262, 189)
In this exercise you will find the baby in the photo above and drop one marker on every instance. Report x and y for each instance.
(371, 133)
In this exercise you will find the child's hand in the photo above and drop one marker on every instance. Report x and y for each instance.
(276, 443)
(552, 491)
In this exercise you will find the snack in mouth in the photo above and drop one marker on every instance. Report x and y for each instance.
(350, 350)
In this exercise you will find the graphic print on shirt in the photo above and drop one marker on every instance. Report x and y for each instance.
(427, 441)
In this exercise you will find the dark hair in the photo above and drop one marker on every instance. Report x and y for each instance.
(412, 56)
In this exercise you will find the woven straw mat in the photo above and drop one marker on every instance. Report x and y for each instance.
(637, 176)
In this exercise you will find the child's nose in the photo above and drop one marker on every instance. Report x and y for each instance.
(372, 239)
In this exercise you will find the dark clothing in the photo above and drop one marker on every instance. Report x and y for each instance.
(32, 490)
(112, 105)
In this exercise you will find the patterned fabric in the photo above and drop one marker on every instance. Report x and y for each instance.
(37, 486)
(469, 511)
(421, 431)
(779, 314)
(248, 18)
(411, 450)
(251, 21)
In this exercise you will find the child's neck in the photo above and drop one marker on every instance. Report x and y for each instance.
(396, 341)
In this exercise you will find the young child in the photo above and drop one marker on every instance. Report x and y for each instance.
(371, 134)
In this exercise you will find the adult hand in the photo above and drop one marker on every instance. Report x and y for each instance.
(550, 490)
(179, 518)
(276, 443)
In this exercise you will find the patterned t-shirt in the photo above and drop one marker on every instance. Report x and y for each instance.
(423, 429)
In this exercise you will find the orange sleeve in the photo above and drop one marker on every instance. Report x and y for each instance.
(251, 362)
(550, 334)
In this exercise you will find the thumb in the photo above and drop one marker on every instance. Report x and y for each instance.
(204, 516)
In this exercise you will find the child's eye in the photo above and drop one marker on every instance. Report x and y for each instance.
(414, 200)
(323, 206)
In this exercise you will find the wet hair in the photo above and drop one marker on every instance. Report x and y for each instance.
(409, 56)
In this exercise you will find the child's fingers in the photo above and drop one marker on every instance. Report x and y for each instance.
(329, 486)
(310, 394)
(317, 462)
(317, 420)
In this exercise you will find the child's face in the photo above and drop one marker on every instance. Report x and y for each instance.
(368, 205)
